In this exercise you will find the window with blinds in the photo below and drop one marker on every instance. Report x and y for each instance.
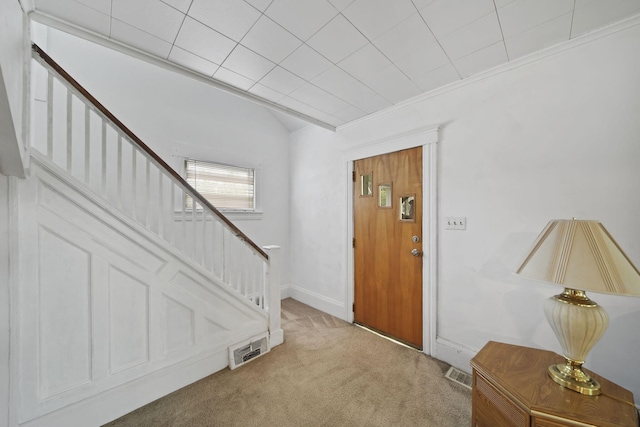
(225, 187)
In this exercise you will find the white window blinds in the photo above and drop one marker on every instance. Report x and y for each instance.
(226, 187)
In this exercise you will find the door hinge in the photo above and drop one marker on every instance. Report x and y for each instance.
(353, 242)
(353, 176)
(353, 307)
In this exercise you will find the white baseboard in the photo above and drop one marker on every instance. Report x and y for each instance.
(105, 407)
(455, 354)
(317, 301)
(285, 292)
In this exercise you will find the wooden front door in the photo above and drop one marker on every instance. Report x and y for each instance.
(387, 228)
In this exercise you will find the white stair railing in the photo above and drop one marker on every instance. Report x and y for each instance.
(82, 139)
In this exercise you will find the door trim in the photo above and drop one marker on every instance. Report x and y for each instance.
(427, 138)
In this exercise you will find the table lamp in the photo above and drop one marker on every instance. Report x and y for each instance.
(579, 255)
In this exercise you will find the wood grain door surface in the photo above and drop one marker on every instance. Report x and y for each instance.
(388, 277)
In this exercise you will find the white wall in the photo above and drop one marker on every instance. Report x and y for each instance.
(554, 138)
(318, 220)
(12, 79)
(4, 301)
(176, 115)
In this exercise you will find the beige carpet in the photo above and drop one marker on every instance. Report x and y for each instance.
(327, 373)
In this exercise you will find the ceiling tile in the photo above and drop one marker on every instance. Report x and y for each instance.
(234, 79)
(337, 82)
(270, 40)
(539, 37)
(475, 36)
(282, 81)
(589, 16)
(422, 3)
(151, 16)
(392, 84)
(437, 78)
(340, 5)
(502, 3)
(261, 5)
(303, 108)
(522, 15)
(247, 63)
(134, 37)
(446, 16)
(191, 61)
(102, 6)
(232, 18)
(374, 17)
(266, 92)
(78, 14)
(201, 40)
(301, 17)
(320, 99)
(364, 62)
(349, 114)
(181, 5)
(410, 35)
(426, 59)
(306, 63)
(337, 40)
(481, 60)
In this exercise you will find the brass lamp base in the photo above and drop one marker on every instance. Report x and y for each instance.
(571, 376)
(578, 323)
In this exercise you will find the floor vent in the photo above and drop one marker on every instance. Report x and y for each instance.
(245, 351)
(459, 377)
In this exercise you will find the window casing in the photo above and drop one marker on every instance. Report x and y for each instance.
(227, 188)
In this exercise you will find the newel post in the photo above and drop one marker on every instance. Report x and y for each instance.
(273, 282)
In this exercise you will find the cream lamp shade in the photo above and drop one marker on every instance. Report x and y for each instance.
(579, 255)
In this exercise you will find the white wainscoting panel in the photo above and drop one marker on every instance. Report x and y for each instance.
(108, 309)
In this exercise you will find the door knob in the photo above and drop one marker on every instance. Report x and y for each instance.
(416, 252)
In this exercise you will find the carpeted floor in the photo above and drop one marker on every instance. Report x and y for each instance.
(327, 373)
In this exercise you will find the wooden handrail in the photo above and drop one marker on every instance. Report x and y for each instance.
(161, 163)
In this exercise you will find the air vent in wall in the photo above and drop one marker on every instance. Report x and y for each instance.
(245, 351)
(459, 377)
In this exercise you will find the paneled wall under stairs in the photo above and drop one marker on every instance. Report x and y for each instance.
(110, 317)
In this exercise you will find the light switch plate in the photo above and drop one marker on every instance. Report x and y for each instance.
(455, 223)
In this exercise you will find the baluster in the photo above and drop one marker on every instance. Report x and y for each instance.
(147, 202)
(252, 280)
(161, 205)
(184, 220)
(203, 257)
(243, 278)
(87, 144)
(69, 132)
(172, 215)
(119, 160)
(134, 177)
(50, 115)
(223, 249)
(194, 224)
(103, 161)
(214, 246)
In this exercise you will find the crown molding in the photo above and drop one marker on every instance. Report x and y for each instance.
(410, 139)
(503, 68)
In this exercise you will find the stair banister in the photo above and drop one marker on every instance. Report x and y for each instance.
(39, 53)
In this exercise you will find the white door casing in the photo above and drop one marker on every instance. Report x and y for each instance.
(427, 138)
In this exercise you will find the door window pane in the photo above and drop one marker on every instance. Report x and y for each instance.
(384, 195)
(366, 185)
(407, 205)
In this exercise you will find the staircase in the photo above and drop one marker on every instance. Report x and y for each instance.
(126, 292)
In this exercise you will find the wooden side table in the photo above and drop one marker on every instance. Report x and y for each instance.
(511, 388)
